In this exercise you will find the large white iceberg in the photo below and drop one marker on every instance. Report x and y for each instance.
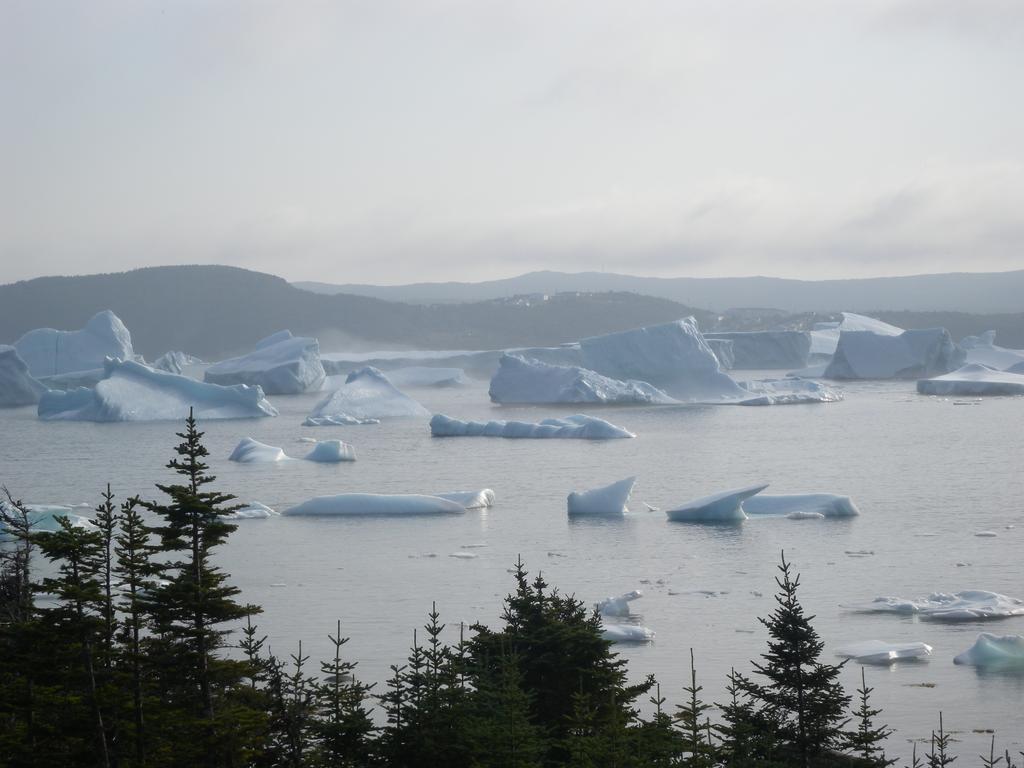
(17, 385)
(607, 500)
(982, 349)
(131, 391)
(359, 504)
(973, 379)
(617, 606)
(574, 427)
(282, 364)
(725, 507)
(674, 357)
(824, 504)
(48, 352)
(792, 391)
(761, 350)
(881, 652)
(994, 652)
(470, 499)
(522, 380)
(910, 355)
(825, 336)
(972, 605)
(366, 395)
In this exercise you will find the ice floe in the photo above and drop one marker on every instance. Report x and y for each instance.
(357, 504)
(790, 391)
(17, 385)
(973, 379)
(523, 380)
(881, 652)
(249, 451)
(725, 507)
(995, 652)
(617, 606)
(367, 395)
(470, 499)
(281, 364)
(801, 504)
(627, 633)
(253, 511)
(48, 352)
(577, 427)
(607, 500)
(910, 355)
(971, 605)
(764, 350)
(331, 451)
(131, 391)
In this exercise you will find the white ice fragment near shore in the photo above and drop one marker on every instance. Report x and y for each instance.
(970, 605)
(249, 451)
(607, 500)
(253, 511)
(131, 391)
(994, 652)
(911, 355)
(331, 451)
(790, 391)
(48, 352)
(881, 652)
(617, 606)
(375, 504)
(973, 379)
(524, 380)
(815, 504)
(571, 427)
(282, 364)
(43, 518)
(627, 633)
(17, 385)
(725, 507)
(470, 499)
(366, 395)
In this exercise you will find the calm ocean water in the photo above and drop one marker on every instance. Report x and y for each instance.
(926, 473)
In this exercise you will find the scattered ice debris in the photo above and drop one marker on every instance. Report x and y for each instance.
(910, 355)
(306, 440)
(962, 564)
(282, 364)
(472, 546)
(17, 385)
(652, 508)
(131, 391)
(627, 633)
(725, 507)
(464, 555)
(337, 420)
(617, 606)
(524, 380)
(331, 451)
(994, 652)
(813, 504)
(366, 394)
(48, 352)
(881, 652)
(553, 553)
(859, 552)
(973, 379)
(470, 499)
(791, 391)
(986, 534)
(607, 500)
(254, 511)
(961, 606)
(575, 427)
(357, 504)
(249, 451)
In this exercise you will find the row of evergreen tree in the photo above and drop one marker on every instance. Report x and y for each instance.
(120, 656)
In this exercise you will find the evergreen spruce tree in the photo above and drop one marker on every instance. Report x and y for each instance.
(343, 727)
(866, 742)
(659, 741)
(802, 696)
(690, 721)
(938, 756)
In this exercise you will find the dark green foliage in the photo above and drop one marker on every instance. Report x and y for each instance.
(343, 727)
(691, 721)
(938, 756)
(866, 742)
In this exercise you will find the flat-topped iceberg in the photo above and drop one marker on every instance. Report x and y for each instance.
(627, 633)
(823, 504)
(607, 500)
(17, 385)
(996, 652)
(331, 452)
(131, 391)
(470, 499)
(971, 605)
(578, 427)
(973, 379)
(910, 355)
(44, 518)
(762, 350)
(881, 652)
(425, 376)
(366, 395)
(523, 380)
(250, 451)
(793, 391)
(48, 352)
(674, 357)
(725, 507)
(617, 606)
(282, 364)
(982, 349)
(825, 336)
(375, 504)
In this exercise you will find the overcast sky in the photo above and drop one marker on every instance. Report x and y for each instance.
(388, 141)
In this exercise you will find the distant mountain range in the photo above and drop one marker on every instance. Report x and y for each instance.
(977, 292)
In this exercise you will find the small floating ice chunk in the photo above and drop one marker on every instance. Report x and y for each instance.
(881, 652)
(973, 605)
(824, 504)
(254, 511)
(464, 555)
(576, 427)
(725, 507)
(331, 451)
(607, 500)
(370, 504)
(470, 499)
(627, 633)
(617, 606)
(994, 652)
(249, 451)
(792, 391)
(986, 534)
